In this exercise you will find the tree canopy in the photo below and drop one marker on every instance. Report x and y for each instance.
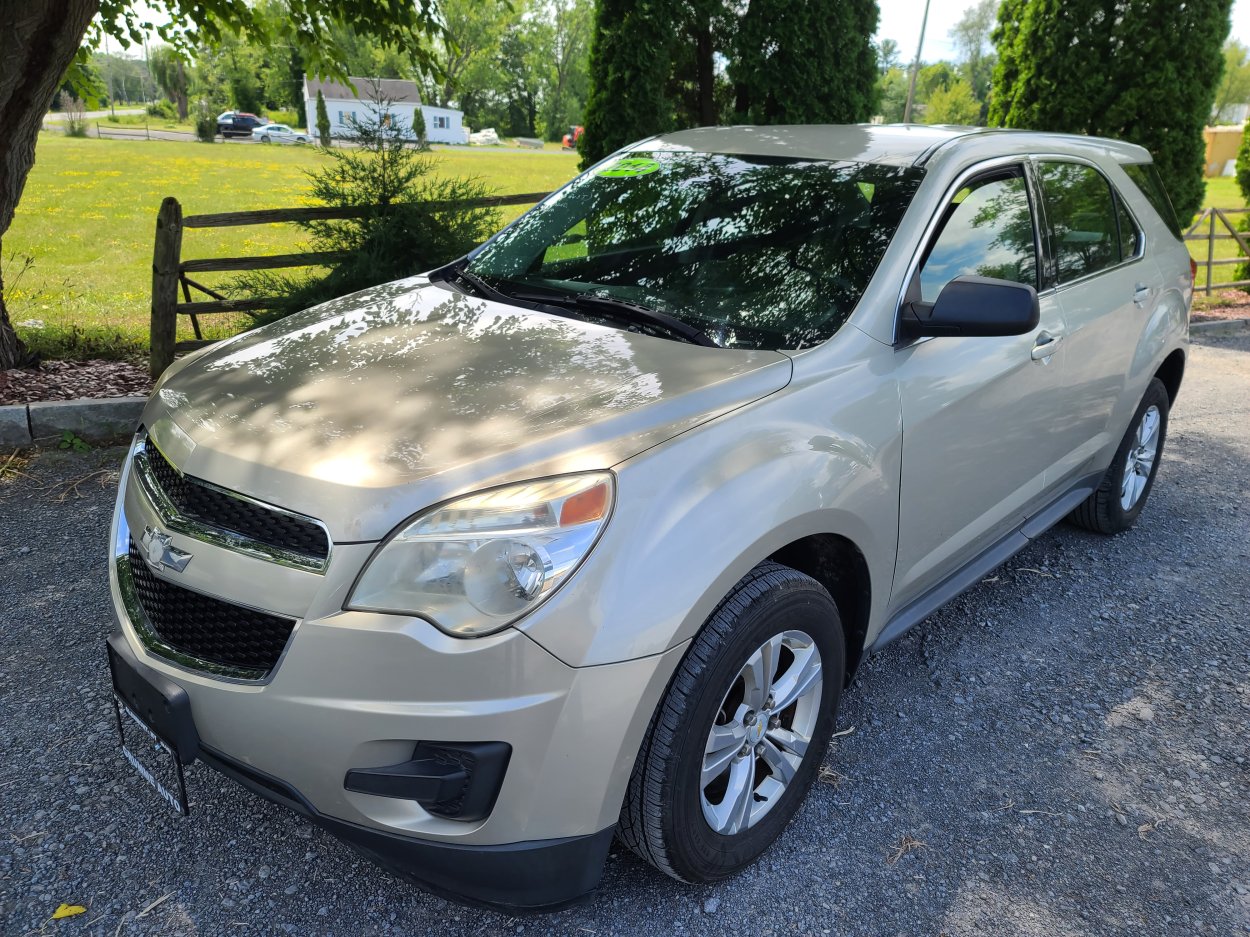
(1145, 71)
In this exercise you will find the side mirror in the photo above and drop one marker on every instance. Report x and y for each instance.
(979, 306)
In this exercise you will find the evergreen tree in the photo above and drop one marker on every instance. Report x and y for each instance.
(811, 62)
(630, 55)
(323, 120)
(1145, 71)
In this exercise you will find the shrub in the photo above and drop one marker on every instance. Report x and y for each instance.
(205, 122)
(75, 115)
(290, 118)
(323, 121)
(415, 221)
(164, 109)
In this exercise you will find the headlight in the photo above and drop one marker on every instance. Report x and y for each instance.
(478, 564)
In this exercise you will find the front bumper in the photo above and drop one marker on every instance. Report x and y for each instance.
(358, 690)
(540, 875)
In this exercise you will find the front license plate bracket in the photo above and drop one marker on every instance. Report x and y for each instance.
(158, 735)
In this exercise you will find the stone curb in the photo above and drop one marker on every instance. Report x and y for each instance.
(1220, 327)
(94, 420)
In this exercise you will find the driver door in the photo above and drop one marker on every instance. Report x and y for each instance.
(981, 416)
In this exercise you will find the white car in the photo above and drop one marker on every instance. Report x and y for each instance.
(278, 133)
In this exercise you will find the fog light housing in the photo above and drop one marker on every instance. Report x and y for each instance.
(456, 780)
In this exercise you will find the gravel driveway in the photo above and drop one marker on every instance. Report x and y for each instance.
(1062, 751)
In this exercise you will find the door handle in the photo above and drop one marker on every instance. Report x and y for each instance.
(1141, 293)
(1047, 345)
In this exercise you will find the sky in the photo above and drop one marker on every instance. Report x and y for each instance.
(900, 21)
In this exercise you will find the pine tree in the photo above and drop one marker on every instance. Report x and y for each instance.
(810, 62)
(323, 120)
(630, 55)
(1139, 70)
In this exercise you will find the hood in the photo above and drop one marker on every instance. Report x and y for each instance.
(367, 409)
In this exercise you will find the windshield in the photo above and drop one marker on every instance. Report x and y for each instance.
(753, 251)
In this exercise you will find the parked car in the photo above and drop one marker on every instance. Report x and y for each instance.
(278, 133)
(487, 137)
(584, 534)
(224, 116)
(240, 125)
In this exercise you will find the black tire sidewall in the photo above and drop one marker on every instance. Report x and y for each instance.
(1156, 395)
(697, 852)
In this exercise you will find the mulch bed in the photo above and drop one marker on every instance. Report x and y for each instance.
(69, 380)
(1229, 304)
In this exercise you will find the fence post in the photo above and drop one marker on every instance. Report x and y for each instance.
(1210, 252)
(166, 257)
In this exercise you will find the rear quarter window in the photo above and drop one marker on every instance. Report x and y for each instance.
(1146, 177)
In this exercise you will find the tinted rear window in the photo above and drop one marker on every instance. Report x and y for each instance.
(1146, 177)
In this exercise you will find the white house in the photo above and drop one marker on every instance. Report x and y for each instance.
(442, 124)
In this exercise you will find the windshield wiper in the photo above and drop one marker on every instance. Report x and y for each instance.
(607, 307)
(623, 311)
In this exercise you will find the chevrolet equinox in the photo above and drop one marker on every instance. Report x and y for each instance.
(583, 534)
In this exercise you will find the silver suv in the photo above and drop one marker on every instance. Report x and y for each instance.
(584, 534)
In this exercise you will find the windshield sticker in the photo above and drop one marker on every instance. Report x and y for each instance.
(631, 166)
(867, 190)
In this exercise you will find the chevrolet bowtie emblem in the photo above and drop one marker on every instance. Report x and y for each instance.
(159, 550)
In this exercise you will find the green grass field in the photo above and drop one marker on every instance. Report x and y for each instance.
(88, 215)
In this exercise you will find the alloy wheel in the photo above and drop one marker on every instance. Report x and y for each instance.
(761, 732)
(1141, 458)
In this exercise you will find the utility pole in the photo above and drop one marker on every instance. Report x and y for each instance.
(915, 66)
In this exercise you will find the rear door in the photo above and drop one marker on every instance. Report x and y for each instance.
(1108, 291)
(982, 418)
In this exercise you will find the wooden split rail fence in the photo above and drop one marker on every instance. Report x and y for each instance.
(1212, 219)
(171, 275)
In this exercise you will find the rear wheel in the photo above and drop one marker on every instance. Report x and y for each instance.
(737, 741)
(264, 138)
(1122, 494)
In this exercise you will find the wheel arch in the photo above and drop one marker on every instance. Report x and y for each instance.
(1170, 372)
(838, 564)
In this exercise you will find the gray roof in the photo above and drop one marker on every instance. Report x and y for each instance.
(893, 144)
(396, 89)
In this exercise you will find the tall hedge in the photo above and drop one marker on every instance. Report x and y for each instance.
(630, 54)
(1139, 70)
(805, 63)
(789, 61)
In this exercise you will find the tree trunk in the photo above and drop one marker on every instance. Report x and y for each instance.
(706, 74)
(38, 40)
(180, 98)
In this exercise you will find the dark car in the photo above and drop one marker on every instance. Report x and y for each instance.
(240, 125)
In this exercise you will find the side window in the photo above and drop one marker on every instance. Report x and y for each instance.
(1130, 236)
(1081, 213)
(987, 232)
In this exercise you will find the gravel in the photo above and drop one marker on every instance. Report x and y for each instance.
(1061, 751)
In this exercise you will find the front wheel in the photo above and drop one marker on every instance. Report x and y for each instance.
(736, 743)
(264, 138)
(1121, 496)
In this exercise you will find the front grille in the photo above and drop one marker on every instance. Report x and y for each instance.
(206, 628)
(216, 508)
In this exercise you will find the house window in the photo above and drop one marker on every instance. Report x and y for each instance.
(342, 120)
(442, 123)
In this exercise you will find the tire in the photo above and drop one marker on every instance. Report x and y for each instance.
(1119, 498)
(264, 138)
(666, 817)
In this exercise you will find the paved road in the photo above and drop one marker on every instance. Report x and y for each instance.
(1068, 741)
